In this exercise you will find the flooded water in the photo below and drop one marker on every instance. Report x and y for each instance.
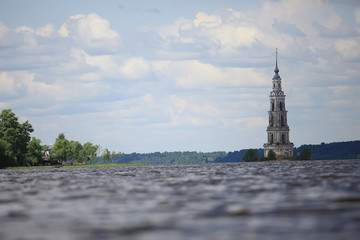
(266, 200)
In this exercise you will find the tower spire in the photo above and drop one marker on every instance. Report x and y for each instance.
(276, 57)
(276, 70)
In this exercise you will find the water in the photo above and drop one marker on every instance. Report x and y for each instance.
(267, 200)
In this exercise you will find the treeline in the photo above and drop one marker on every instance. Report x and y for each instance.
(189, 157)
(330, 151)
(166, 158)
(18, 148)
(252, 155)
(340, 150)
(70, 151)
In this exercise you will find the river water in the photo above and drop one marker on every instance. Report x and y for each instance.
(265, 200)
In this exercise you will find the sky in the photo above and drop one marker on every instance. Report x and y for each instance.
(147, 76)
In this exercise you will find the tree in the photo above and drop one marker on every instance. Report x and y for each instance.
(251, 155)
(106, 155)
(74, 151)
(5, 158)
(262, 159)
(14, 139)
(113, 154)
(61, 136)
(88, 152)
(305, 154)
(271, 155)
(34, 152)
(61, 150)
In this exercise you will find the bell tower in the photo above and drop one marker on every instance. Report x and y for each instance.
(278, 128)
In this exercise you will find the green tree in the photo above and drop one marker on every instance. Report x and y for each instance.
(61, 136)
(14, 139)
(5, 158)
(106, 155)
(262, 159)
(305, 154)
(34, 152)
(271, 155)
(251, 155)
(75, 150)
(61, 150)
(45, 147)
(88, 152)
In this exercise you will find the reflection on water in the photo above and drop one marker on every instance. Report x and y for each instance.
(272, 200)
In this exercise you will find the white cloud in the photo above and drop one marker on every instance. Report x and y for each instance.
(7, 85)
(19, 87)
(113, 67)
(3, 29)
(221, 33)
(45, 31)
(357, 15)
(135, 68)
(195, 74)
(173, 30)
(105, 63)
(279, 24)
(198, 78)
(192, 112)
(28, 37)
(18, 84)
(348, 48)
(25, 29)
(93, 26)
(63, 31)
(24, 41)
(209, 21)
(247, 122)
(92, 32)
(305, 18)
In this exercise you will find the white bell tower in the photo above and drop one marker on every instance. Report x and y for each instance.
(278, 128)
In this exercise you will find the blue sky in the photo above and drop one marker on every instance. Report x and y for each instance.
(146, 76)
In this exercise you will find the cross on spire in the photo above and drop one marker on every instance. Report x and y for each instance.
(276, 70)
(276, 57)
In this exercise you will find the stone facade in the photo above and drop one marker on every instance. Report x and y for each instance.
(278, 129)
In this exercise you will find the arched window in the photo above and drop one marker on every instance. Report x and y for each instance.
(282, 121)
(283, 140)
(281, 106)
(271, 138)
(272, 120)
(272, 106)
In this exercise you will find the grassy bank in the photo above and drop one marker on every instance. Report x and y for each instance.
(82, 165)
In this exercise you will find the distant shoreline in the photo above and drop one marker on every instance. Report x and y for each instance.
(80, 165)
(145, 164)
